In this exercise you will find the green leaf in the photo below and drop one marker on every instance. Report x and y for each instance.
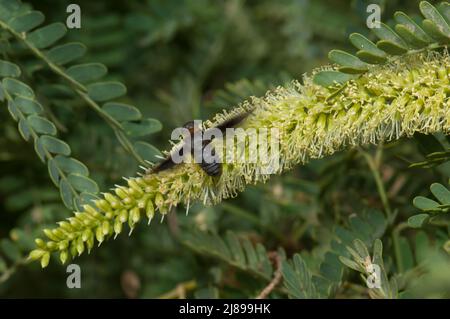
(384, 32)
(71, 165)
(264, 262)
(433, 15)
(410, 31)
(144, 127)
(368, 51)
(13, 110)
(370, 58)
(41, 125)
(434, 32)
(24, 129)
(350, 263)
(82, 183)
(27, 21)
(349, 63)
(85, 73)
(122, 112)
(329, 272)
(389, 41)
(424, 203)
(66, 53)
(104, 91)
(391, 47)
(235, 248)
(39, 149)
(297, 278)
(441, 193)
(46, 36)
(409, 37)
(54, 145)
(377, 255)
(147, 151)
(418, 220)
(16, 87)
(361, 248)
(250, 253)
(331, 78)
(8, 69)
(66, 193)
(53, 171)
(8, 8)
(444, 9)
(28, 106)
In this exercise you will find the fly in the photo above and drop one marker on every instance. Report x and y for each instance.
(210, 163)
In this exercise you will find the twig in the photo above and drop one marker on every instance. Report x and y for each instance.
(10, 271)
(179, 292)
(276, 278)
(374, 166)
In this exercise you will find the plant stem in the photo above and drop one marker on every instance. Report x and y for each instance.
(374, 165)
(179, 292)
(10, 271)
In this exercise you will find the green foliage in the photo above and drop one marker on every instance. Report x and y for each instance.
(364, 229)
(298, 279)
(240, 254)
(434, 211)
(305, 232)
(371, 268)
(82, 78)
(67, 173)
(407, 37)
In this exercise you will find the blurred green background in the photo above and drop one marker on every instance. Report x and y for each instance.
(189, 59)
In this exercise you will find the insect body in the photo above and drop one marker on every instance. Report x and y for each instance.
(209, 161)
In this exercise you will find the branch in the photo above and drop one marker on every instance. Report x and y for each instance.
(276, 278)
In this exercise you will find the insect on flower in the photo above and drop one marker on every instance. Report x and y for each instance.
(210, 162)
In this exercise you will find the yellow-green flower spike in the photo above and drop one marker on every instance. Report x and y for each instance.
(408, 95)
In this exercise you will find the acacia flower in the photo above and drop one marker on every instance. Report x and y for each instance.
(408, 95)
